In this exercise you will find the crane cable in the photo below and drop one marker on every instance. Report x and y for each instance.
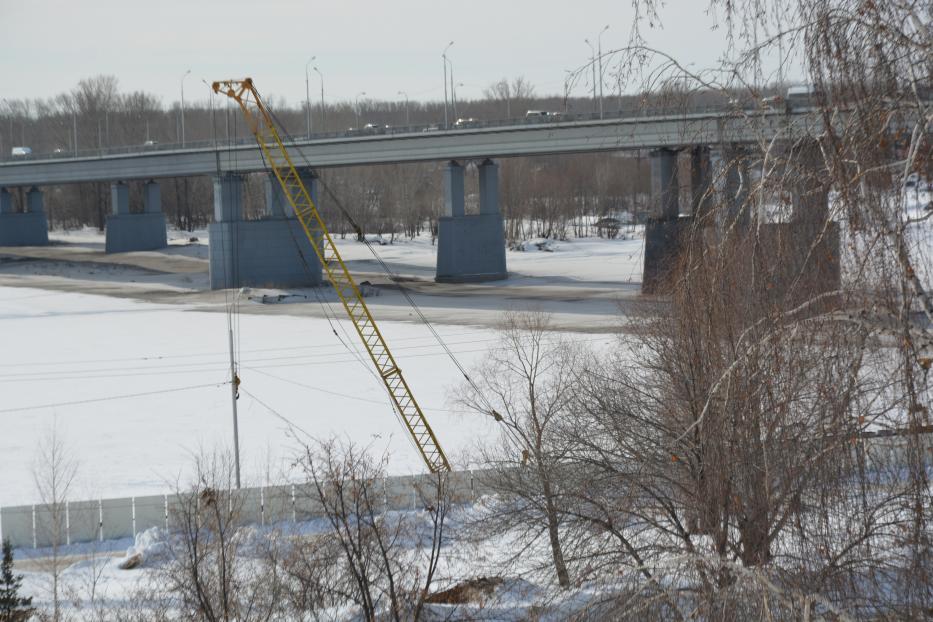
(388, 271)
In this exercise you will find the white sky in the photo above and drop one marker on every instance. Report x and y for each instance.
(46, 46)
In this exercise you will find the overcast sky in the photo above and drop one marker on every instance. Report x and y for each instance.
(378, 47)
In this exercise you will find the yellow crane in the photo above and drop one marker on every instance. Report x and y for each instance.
(261, 124)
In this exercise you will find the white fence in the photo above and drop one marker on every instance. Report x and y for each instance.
(34, 526)
(106, 519)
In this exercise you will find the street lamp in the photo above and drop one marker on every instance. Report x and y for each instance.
(453, 94)
(599, 45)
(407, 115)
(183, 107)
(444, 57)
(567, 81)
(210, 95)
(308, 93)
(323, 117)
(593, 65)
(357, 100)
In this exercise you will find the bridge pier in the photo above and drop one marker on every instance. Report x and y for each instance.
(664, 231)
(471, 248)
(731, 181)
(28, 228)
(270, 252)
(795, 259)
(127, 231)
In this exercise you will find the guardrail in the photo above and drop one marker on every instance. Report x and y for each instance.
(224, 143)
(38, 526)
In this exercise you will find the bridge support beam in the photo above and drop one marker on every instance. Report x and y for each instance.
(665, 228)
(270, 252)
(731, 182)
(27, 228)
(127, 231)
(701, 177)
(471, 248)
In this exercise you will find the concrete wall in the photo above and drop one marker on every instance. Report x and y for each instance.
(262, 253)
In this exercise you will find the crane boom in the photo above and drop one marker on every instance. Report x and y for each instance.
(276, 155)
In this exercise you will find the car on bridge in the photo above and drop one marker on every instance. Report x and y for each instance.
(21, 152)
(465, 123)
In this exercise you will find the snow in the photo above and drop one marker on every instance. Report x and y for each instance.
(157, 331)
(65, 348)
(153, 376)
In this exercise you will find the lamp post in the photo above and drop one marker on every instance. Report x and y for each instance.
(444, 59)
(599, 46)
(407, 112)
(323, 113)
(453, 94)
(74, 128)
(593, 64)
(308, 92)
(357, 106)
(210, 95)
(183, 107)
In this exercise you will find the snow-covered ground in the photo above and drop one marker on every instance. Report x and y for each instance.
(134, 376)
(66, 354)
(136, 386)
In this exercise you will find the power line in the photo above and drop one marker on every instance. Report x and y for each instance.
(113, 397)
(160, 357)
(338, 394)
(219, 366)
(287, 421)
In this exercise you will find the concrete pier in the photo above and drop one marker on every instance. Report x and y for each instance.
(471, 248)
(731, 184)
(127, 231)
(270, 252)
(664, 229)
(28, 228)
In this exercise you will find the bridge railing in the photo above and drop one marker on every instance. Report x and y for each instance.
(229, 142)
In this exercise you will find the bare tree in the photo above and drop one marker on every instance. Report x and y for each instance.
(54, 471)
(208, 572)
(518, 90)
(383, 562)
(527, 383)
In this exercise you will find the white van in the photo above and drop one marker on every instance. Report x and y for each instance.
(21, 152)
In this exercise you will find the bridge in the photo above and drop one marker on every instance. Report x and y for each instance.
(419, 144)
(470, 247)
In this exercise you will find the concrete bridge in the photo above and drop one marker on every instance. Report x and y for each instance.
(265, 253)
(487, 141)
